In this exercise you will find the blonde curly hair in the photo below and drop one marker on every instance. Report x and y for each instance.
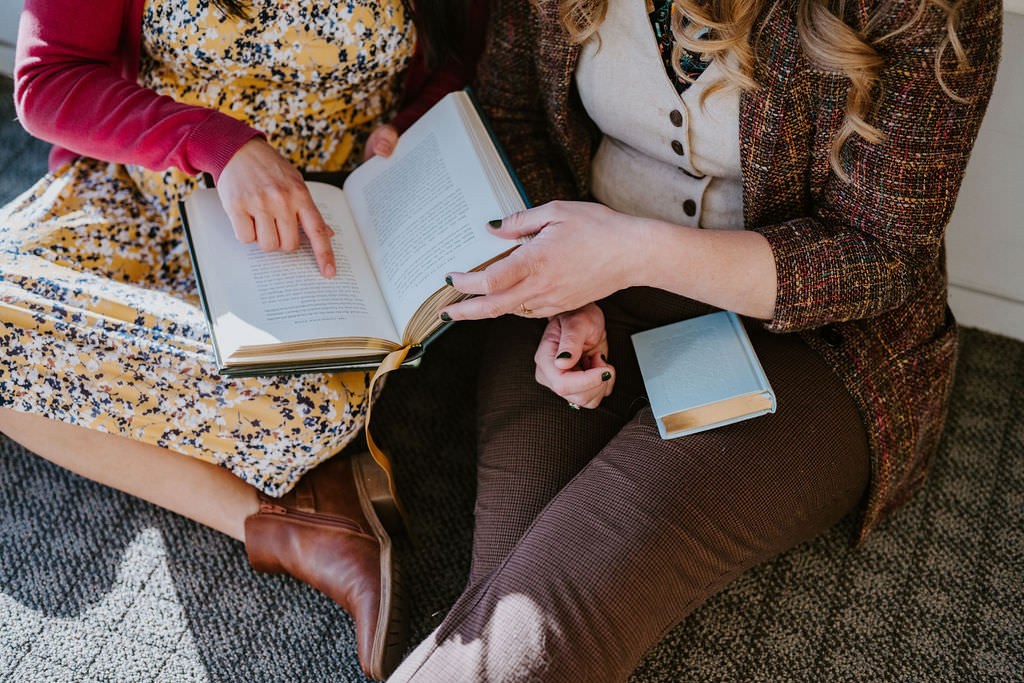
(829, 43)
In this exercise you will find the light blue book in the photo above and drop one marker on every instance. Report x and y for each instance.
(702, 373)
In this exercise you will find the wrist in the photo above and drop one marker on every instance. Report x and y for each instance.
(672, 255)
(217, 146)
(644, 252)
(634, 250)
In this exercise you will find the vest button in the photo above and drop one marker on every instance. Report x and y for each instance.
(689, 207)
(677, 147)
(676, 118)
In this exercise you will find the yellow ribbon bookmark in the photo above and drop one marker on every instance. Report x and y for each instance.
(392, 361)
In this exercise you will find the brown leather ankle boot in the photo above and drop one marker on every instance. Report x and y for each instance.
(327, 533)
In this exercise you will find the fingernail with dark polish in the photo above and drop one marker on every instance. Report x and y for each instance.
(448, 279)
(564, 354)
(604, 358)
(605, 376)
(496, 223)
(445, 317)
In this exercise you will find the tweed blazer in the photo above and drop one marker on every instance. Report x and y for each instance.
(860, 264)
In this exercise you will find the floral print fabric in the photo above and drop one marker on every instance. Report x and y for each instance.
(99, 313)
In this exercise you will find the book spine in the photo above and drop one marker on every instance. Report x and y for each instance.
(497, 146)
(327, 366)
(755, 365)
(199, 282)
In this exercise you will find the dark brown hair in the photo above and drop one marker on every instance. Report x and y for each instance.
(441, 24)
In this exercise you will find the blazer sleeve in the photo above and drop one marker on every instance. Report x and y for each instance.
(509, 91)
(72, 89)
(868, 242)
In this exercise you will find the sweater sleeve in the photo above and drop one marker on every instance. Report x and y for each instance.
(72, 88)
(865, 247)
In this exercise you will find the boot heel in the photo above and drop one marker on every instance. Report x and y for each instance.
(373, 484)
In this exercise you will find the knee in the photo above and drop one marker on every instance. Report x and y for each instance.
(507, 639)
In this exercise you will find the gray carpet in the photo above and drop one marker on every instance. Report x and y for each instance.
(98, 586)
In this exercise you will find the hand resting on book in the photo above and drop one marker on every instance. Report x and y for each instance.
(577, 255)
(583, 251)
(268, 202)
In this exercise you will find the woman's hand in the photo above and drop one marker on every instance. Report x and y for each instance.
(267, 202)
(572, 357)
(581, 252)
(381, 142)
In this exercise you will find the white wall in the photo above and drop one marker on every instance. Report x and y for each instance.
(9, 11)
(985, 238)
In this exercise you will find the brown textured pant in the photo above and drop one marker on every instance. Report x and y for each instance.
(594, 536)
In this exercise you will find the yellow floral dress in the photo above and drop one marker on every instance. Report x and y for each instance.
(99, 316)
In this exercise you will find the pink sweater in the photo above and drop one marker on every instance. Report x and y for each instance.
(76, 86)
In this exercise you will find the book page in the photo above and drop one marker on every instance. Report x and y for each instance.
(423, 211)
(257, 297)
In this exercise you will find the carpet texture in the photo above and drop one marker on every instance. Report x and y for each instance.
(98, 586)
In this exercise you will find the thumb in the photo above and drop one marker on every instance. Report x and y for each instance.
(381, 142)
(387, 138)
(571, 342)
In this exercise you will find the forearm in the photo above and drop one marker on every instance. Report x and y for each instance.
(137, 128)
(730, 269)
(582, 252)
(72, 88)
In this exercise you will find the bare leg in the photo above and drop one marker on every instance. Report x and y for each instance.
(198, 490)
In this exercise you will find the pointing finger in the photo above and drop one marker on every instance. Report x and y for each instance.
(319, 234)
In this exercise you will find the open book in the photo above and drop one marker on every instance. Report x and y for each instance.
(400, 225)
